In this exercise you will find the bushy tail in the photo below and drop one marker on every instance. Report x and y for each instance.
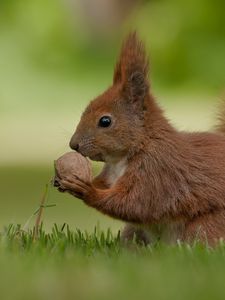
(220, 126)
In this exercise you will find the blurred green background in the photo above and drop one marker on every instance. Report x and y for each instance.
(55, 56)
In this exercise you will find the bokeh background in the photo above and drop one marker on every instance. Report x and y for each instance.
(55, 56)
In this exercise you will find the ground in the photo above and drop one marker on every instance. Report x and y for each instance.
(65, 264)
(86, 263)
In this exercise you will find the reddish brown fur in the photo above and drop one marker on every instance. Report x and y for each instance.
(170, 184)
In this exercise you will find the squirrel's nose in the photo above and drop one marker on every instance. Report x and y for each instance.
(74, 146)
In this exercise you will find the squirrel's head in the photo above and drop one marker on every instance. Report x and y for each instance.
(113, 124)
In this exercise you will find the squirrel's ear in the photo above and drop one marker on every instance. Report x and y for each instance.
(132, 68)
(135, 87)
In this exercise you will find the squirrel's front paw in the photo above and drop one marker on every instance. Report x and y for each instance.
(56, 182)
(78, 188)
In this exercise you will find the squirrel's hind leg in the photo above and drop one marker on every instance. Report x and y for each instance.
(134, 233)
(208, 229)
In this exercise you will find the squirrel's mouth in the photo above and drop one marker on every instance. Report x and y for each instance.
(90, 151)
(96, 157)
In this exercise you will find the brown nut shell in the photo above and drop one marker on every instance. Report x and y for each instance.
(72, 163)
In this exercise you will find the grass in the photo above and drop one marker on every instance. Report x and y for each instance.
(62, 262)
(67, 264)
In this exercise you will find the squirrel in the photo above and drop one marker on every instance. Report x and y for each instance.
(165, 184)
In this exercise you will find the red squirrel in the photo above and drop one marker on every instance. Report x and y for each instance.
(167, 185)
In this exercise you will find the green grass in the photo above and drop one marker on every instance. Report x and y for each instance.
(87, 263)
(66, 264)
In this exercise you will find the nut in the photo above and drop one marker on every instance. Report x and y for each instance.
(72, 164)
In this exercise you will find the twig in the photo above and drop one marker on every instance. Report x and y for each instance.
(39, 213)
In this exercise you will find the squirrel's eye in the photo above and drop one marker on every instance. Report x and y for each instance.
(104, 121)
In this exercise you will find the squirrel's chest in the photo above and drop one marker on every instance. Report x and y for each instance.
(115, 171)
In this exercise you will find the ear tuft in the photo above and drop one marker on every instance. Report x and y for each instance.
(132, 59)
